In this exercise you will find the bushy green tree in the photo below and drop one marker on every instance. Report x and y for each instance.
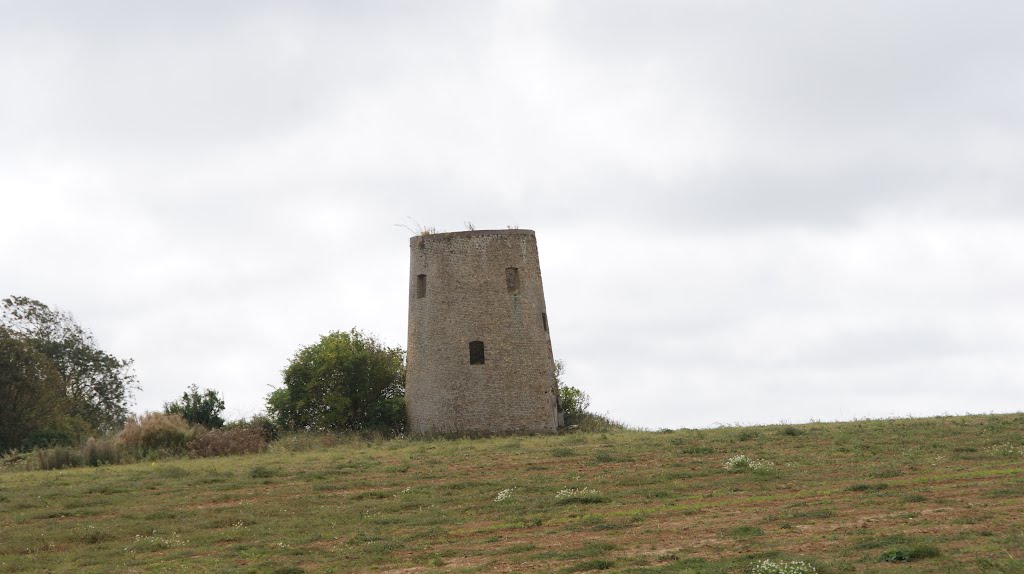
(572, 401)
(198, 408)
(32, 401)
(345, 381)
(97, 385)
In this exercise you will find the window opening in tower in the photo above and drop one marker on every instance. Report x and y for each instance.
(512, 279)
(476, 353)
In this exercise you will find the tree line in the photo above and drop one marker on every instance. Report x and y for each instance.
(58, 387)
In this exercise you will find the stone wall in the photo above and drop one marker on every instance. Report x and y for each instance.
(478, 287)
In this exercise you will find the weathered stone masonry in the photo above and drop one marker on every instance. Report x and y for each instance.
(479, 354)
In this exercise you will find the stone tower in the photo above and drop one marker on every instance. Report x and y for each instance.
(479, 355)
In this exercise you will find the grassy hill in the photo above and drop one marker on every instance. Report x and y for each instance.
(944, 494)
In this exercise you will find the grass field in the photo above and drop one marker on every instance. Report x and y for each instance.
(921, 495)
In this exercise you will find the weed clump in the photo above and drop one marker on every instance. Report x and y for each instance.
(148, 437)
(58, 457)
(746, 435)
(591, 422)
(909, 554)
(742, 532)
(219, 442)
(92, 453)
(156, 433)
(868, 487)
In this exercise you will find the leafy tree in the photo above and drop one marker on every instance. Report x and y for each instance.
(574, 404)
(572, 401)
(346, 381)
(98, 386)
(32, 397)
(199, 408)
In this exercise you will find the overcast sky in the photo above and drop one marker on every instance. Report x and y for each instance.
(747, 212)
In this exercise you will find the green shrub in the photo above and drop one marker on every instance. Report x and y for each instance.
(346, 381)
(68, 431)
(573, 401)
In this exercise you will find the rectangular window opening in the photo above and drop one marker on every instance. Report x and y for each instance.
(544, 317)
(476, 353)
(421, 286)
(512, 279)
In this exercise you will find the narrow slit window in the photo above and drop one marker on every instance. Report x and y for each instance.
(476, 353)
(512, 279)
(544, 318)
(421, 286)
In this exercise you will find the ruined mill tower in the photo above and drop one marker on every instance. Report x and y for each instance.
(479, 355)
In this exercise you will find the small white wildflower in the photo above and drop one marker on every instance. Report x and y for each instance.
(738, 461)
(504, 494)
(576, 492)
(768, 566)
(158, 541)
(742, 461)
(1007, 449)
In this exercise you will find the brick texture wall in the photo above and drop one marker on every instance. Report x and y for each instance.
(461, 290)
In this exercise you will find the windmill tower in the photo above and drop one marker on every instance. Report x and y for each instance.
(479, 354)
